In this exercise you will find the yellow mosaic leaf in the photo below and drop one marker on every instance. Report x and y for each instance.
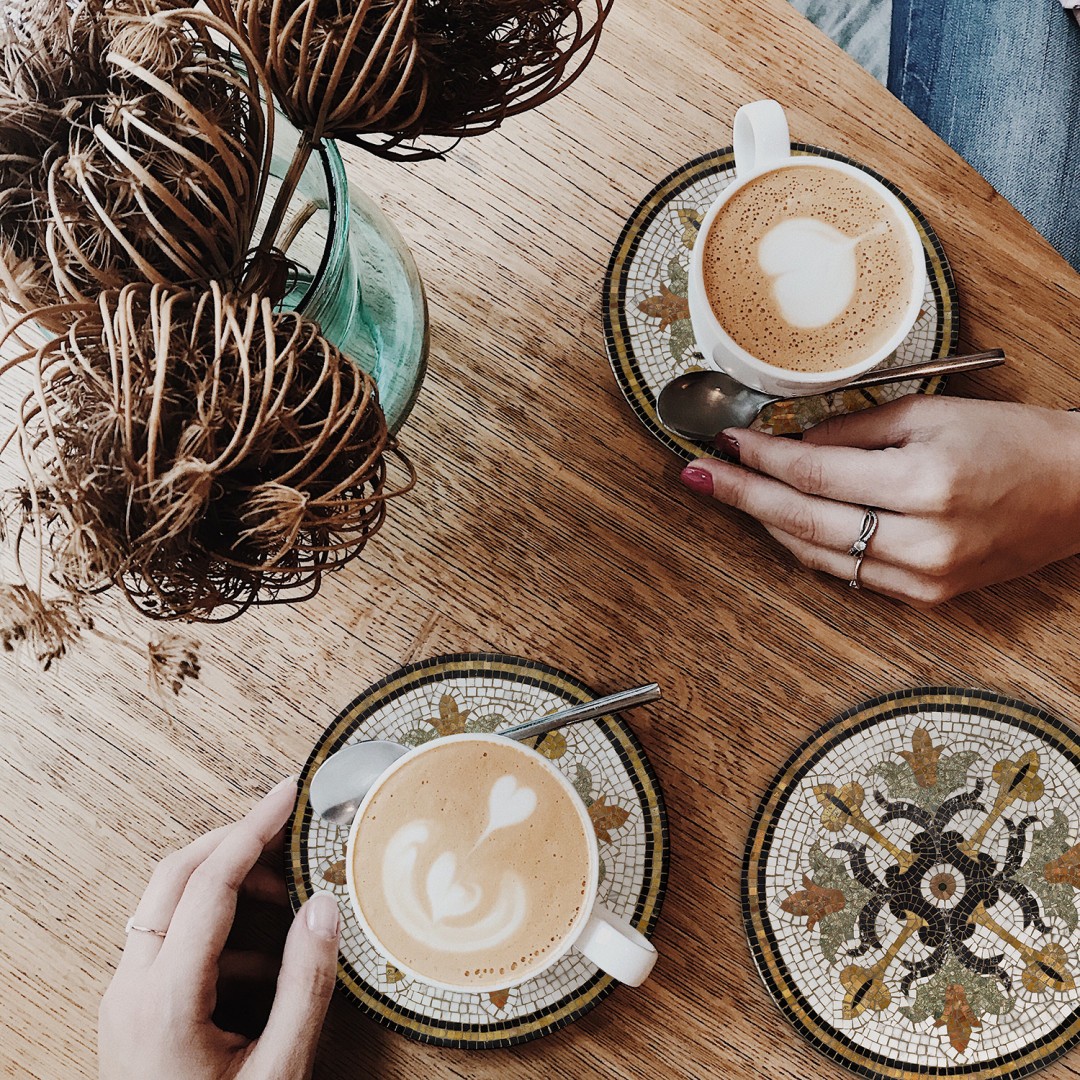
(1019, 779)
(606, 816)
(498, 998)
(393, 974)
(958, 1018)
(451, 719)
(923, 758)
(552, 745)
(838, 805)
(863, 989)
(1047, 969)
(335, 873)
(691, 223)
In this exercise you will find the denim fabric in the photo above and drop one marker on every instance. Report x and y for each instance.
(999, 81)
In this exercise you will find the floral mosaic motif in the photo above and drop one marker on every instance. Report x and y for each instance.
(670, 305)
(960, 915)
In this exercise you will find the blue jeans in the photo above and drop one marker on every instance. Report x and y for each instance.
(999, 81)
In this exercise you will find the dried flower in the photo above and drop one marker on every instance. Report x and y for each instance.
(173, 660)
(382, 73)
(48, 627)
(199, 450)
(132, 148)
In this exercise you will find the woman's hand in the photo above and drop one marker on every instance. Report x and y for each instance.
(968, 493)
(156, 1017)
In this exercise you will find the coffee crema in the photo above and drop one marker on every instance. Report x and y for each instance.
(471, 864)
(808, 269)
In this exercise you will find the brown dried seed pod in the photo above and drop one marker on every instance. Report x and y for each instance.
(132, 148)
(383, 73)
(200, 450)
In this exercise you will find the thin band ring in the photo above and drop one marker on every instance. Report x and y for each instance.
(130, 925)
(858, 548)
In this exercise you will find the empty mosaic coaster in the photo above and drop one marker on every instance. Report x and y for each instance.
(647, 320)
(911, 887)
(606, 764)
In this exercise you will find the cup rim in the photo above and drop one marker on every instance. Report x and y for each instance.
(593, 885)
(812, 380)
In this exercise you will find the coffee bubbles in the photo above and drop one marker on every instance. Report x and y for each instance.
(808, 269)
(471, 864)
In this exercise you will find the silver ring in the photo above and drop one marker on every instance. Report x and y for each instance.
(862, 541)
(130, 925)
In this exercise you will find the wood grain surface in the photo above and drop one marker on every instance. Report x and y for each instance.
(547, 523)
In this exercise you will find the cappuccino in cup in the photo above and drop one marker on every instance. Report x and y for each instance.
(808, 268)
(472, 865)
(806, 272)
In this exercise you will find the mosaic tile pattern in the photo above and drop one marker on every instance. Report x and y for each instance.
(911, 887)
(647, 319)
(607, 766)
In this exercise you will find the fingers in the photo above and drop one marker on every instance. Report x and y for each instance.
(821, 523)
(158, 903)
(308, 971)
(204, 915)
(842, 473)
(921, 590)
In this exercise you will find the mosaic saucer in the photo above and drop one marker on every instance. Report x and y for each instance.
(647, 321)
(911, 887)
(607, 766)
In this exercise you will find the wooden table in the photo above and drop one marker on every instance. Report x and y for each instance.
(547, 523)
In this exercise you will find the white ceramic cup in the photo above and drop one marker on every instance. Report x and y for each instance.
(606, 939)
(762, 144)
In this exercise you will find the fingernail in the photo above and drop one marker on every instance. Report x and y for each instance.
(697, 480)
(728, 444)
(323, 915)
(289, 781)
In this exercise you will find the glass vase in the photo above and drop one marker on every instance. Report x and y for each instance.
(351, 272)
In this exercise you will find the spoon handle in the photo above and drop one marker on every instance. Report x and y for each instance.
(588, 710)
(950, 365)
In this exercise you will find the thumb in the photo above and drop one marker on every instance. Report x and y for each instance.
(287, 1045)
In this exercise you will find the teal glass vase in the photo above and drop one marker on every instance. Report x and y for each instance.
(352, 273)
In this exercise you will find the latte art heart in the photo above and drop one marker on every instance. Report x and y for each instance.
(508, 804)
(446, 897)
(812, 264)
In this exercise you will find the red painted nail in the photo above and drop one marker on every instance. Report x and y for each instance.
(728, 445)
(697, 480)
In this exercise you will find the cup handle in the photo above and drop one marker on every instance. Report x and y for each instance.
(614, 946)
(760, 137)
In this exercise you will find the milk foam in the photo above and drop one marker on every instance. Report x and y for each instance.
(443, 909)
(807, 268)
(471, 865)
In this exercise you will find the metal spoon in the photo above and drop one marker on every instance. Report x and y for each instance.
(342, 780)
(701, 404)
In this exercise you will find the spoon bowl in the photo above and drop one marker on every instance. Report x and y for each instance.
(701, 404)
(342, 780)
